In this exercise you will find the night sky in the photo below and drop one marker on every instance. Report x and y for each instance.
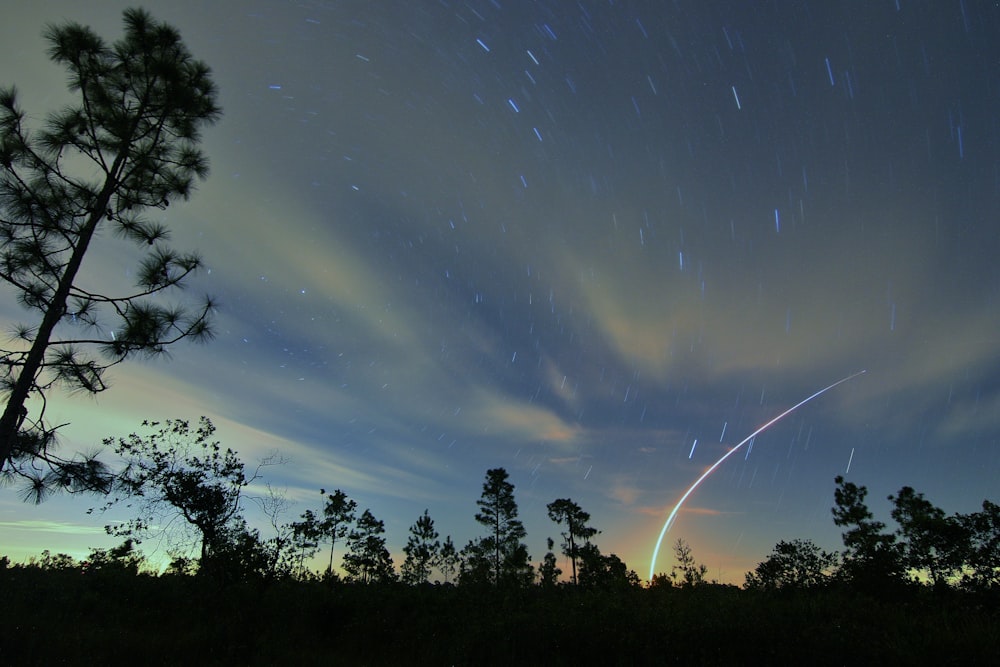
(594, 243)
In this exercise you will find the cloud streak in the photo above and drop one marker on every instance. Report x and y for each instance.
(433, 260)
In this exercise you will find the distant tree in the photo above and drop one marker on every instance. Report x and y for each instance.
(478, 567)
(872, 558)
(566, 512)
(305, 539)
(931, 543)
(475, 565)
(983, 559)
(367, 560)
(794, 564)
(507, 556)
(53, 562)
(961, 549)
(548, 571)
(280, 549)
(181, 565)
(516, 567)
(422, 551)
(604, 571)
(180, 471)
(241, 554)
(338, 514)
(448, 560)
(617, 573)
(128, 144)
(660, 580)
(123, 559)
(687, 572)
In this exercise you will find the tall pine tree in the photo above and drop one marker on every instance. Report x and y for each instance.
(500, 555)
(128, 144)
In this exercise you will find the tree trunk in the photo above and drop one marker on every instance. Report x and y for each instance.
(572, 551)
(10, 420)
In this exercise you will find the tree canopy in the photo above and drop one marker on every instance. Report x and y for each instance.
(499, 556)
(577, 534)
(128, 144)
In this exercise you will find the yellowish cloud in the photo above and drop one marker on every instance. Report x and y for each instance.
(307, 260)
(564, 460)
(967, 419)
(663, 511)
(635, 312)
(496, 414)
(853, 300)
(559, 383)
(625, 494)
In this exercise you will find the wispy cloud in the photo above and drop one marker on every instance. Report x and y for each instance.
(42, 526)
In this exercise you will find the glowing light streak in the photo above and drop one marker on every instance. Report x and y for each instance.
(711, 469)
(851, 458)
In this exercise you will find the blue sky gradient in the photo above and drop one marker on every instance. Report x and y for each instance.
(572, 239)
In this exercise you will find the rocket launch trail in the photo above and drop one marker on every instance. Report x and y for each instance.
(761, 429)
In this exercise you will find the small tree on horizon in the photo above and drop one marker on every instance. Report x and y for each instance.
(687, 572)
(604, 571)
(548, 571)
(129, 144)
(124, 559)
(367, 560)
(448, 560)
(794, 564)
(338, 514)
(422, 551)
(577, 534)
(305, 540)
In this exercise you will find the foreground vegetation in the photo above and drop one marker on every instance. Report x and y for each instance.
(923, 592)
(926, 593)
(112, 617)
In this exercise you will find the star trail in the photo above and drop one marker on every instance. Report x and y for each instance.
(577, 241)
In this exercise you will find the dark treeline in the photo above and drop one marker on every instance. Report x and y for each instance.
(176, 474)
(924, 592)
(110, 617)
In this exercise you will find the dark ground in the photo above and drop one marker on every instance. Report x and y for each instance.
(72, 618)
